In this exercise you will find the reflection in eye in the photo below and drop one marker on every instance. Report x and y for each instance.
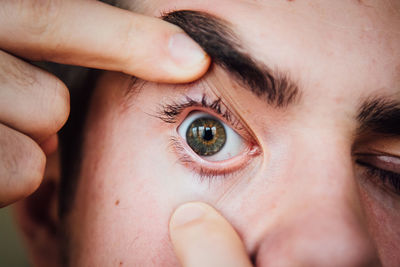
(209, 137)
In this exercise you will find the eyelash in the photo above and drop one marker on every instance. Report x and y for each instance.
(382, 177)
(171, 113)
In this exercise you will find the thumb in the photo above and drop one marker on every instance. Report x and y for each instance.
(202, 237)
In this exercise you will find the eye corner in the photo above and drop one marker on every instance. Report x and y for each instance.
(255, 150)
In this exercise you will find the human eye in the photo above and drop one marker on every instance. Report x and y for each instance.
(210, 139)
(381, 169)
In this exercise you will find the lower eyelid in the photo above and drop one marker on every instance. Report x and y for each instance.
(188, 157)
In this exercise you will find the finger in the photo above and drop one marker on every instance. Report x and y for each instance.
(22, 164)
(32, 101)
(49, 146)
(93, 34)
(202, 237)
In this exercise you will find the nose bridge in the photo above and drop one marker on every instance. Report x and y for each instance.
(317, 178)
(321, 177)
(318, 220)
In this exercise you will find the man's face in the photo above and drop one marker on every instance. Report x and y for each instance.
(312, 180)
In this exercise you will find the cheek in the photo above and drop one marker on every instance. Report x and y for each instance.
(124, 200)
(383, 222)
(130, 183)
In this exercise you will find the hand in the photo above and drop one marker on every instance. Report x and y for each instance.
(202, 237)
(34, 104)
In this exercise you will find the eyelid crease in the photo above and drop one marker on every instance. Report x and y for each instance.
(377, 153)
(383, 161)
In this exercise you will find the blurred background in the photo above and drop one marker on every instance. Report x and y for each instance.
(12, 253)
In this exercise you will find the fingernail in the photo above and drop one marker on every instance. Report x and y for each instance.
(185, 51)
(186, 213)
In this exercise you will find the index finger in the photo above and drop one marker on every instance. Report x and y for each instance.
(96, 35)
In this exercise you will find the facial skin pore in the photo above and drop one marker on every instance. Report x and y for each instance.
(301, 199)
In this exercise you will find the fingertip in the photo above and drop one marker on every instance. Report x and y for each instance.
(51, 111)
(61, 105)
(166, 54)
(185, 214)
(201, 236)
(50, 145)
(173, 68)
(33, 164)
(189, 58)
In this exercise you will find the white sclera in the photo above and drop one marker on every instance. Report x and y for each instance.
(234, 143)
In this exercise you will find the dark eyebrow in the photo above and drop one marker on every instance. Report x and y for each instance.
(220, 43)
(379, 115)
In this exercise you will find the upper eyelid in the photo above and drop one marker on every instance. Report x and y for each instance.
(381, 161)
(369, 152)
(377, 153)
(170, 112)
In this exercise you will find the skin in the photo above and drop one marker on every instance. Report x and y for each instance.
(301, 201)
(35, 104)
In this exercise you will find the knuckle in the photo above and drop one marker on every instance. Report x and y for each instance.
(46, 96)
(16, 72)
(22, 162)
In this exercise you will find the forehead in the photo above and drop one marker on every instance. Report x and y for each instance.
(349, 15)
(339, 44)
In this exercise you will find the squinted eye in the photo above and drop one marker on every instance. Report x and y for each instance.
(210, 138)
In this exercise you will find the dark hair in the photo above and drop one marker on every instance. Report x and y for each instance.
(71, 137)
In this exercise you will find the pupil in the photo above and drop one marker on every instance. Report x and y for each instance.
(208, 134)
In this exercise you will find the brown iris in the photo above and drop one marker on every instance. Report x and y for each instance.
(206, 136)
